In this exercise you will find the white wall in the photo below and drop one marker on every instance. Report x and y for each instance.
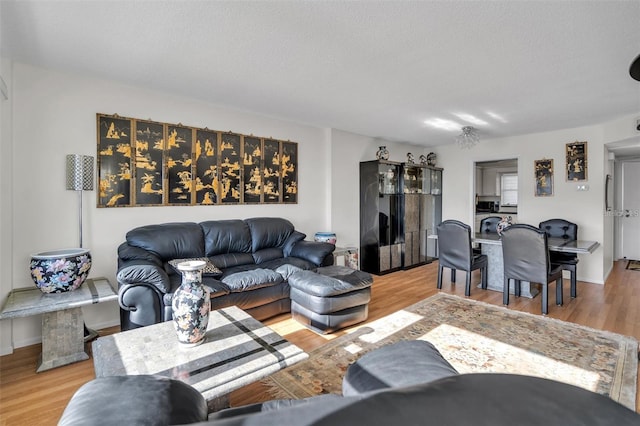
(6, 179)
(347, 151)
(54, 114)
(584, 208)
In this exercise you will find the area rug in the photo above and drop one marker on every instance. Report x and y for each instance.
(633, 265)
(478, 337)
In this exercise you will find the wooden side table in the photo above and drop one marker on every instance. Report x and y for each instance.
(62, 320)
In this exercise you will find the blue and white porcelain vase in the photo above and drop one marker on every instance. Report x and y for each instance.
(191, 304)
(60, 271)
(325, 237)
(382, 153)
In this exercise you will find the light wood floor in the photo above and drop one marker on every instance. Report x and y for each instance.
(27, 398)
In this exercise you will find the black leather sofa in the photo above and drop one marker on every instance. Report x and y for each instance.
(254, 256)
(406, 383)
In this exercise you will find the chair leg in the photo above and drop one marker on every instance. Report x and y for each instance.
(440, 268)
(574, 291)
(545, 299)
(517, 288)
(453, 275)
(484, 277)
(467, 287)
(559, 291)
(505, 292)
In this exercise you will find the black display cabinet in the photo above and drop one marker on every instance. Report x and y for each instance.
(400, 205)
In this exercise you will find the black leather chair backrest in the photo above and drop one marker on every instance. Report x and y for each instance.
(489, 224)
(525, 253)
(560, 228)
(454, 245)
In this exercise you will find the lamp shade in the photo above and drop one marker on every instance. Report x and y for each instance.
(79, 172)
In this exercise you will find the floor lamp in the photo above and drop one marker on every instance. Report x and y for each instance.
(80, 178)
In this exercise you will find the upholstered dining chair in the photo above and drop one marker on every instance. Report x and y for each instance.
(489, 224)
(560, 228)
(525, 253)
(455, 252)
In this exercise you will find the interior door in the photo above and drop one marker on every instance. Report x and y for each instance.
(630, 214)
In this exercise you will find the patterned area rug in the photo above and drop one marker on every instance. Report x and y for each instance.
(633, 265)
(478, 337)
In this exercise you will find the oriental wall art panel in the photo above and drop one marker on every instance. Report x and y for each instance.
(147, 163)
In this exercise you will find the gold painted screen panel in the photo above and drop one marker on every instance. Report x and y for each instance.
(147, 163)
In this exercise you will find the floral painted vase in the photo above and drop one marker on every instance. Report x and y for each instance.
(382, 153)
(506, 222)
(191, 304)
(325, 237)
(60, 271)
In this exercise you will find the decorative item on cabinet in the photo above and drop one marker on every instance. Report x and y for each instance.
(410, 158)
(423, 160)
(382, 153)
(431, 159)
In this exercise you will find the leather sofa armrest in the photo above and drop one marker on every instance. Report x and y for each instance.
(312, 251)
(140, 271)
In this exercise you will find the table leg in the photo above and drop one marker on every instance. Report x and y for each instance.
(62, 339)
(219, 403)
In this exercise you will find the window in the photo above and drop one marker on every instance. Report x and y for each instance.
(508, 189)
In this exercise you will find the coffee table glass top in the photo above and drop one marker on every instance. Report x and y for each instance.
(238, 350)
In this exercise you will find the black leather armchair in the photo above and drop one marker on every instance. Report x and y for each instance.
(525, 252)
(455, 252)
(560, 228)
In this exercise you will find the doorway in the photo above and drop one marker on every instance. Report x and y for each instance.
(627, 212)
(496, 189)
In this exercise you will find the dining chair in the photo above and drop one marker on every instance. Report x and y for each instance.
(525, 253)
(489, 224)
(455, 252)
(560, 228)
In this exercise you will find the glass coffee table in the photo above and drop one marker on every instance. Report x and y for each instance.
(238, 350)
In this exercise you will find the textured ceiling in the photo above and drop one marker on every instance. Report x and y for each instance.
(398, 70)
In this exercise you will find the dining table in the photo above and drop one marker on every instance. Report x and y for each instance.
(491, 245)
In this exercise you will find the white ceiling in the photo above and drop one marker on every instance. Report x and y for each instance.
(387, 69)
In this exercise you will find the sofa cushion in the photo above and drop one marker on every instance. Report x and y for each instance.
(229, 260)
(250, 280)
(268, 232)
(405, 363)
(330, 281)
(312, 251)
(169, 240)
(267, 254)
(287, 270)
(209, 268)
(226, 236)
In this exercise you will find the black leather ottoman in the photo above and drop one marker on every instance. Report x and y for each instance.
(331, 298)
